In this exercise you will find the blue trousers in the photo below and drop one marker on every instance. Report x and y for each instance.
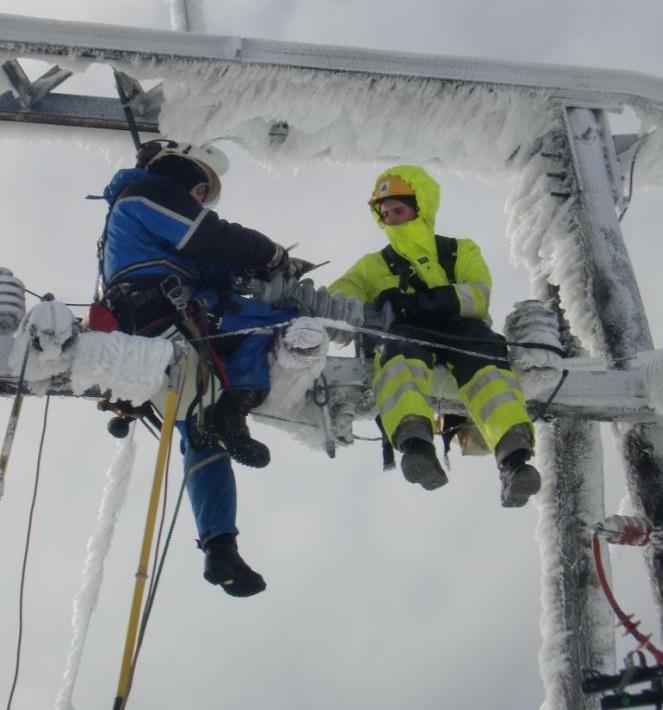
(210, 480)
(246, 365)
(210, 483)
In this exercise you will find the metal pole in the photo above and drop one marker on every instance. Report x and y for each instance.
(577, 626)
(622, 328)
(170, 415)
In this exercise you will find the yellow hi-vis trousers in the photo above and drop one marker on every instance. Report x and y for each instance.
(487, 386)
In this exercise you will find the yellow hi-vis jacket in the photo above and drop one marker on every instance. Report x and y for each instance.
(415, 241)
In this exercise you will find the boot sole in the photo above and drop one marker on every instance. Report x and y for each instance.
(246, 587)
(250, 461)
(246, 458)
(520, 488)
(418, 468)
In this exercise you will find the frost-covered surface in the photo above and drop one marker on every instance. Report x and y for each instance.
(543, 230)
(298, 360)
(472, 116)
(564, 228)
(575, 618)
(652, 364)
(98, 546)
(131, 367)
(134, 368)
(12, 301)
(47, 335)
(348, 117)
(649, 163)
(532, 322)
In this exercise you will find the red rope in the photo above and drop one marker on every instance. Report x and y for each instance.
(626, 620)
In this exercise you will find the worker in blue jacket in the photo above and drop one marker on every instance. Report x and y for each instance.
(166, 259)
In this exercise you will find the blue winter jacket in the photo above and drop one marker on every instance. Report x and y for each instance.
(155, 228)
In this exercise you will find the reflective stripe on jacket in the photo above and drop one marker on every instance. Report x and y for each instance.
(370, 276)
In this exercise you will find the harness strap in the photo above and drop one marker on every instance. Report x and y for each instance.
(447, 253)
(388, 460)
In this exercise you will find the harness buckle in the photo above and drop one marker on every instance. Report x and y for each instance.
(175, 291)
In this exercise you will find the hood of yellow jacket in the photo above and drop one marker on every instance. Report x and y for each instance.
(415, 240)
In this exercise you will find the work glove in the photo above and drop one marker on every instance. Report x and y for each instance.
(405, 305)
(279, 276)
(378, 316)
(285, 266)
(276, 266)
(439, 301)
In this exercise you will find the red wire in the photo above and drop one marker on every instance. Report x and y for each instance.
(624, 619)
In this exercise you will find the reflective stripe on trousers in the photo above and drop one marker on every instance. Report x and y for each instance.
(402, 387)
(495, 402)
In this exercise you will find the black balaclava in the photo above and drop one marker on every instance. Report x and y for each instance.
(181, 170)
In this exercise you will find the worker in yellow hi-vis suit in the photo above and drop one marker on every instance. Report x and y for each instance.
(438, 287)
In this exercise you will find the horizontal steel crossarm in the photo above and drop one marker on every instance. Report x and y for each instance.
(73, 110)
(24, 36)
(611, 395)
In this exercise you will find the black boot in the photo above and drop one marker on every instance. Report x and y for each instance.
(229, 420)
(225, 567)
(519, 479)
(420, 465)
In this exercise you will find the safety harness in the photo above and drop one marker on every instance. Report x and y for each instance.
(149, 307)
(447, 253)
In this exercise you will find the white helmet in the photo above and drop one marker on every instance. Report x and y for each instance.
(212, 161)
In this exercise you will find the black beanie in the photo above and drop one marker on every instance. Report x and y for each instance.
(181, 170)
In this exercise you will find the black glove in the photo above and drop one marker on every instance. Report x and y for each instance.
(438, 301)
(282, 264)
(276, 265)
(404, 305)
(378, 315)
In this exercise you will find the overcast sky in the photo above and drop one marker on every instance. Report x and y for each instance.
(380, 595)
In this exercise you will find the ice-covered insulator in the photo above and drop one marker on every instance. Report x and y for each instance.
(12, 301)
(625, 530)
(533, 323)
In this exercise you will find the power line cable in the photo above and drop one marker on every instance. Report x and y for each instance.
(25, 557)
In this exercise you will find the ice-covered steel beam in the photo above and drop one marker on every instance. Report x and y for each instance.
(599, 395)
(33, 37)
(34, 102)
(73, 110)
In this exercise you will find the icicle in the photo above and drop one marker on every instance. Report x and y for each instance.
(98, 546)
